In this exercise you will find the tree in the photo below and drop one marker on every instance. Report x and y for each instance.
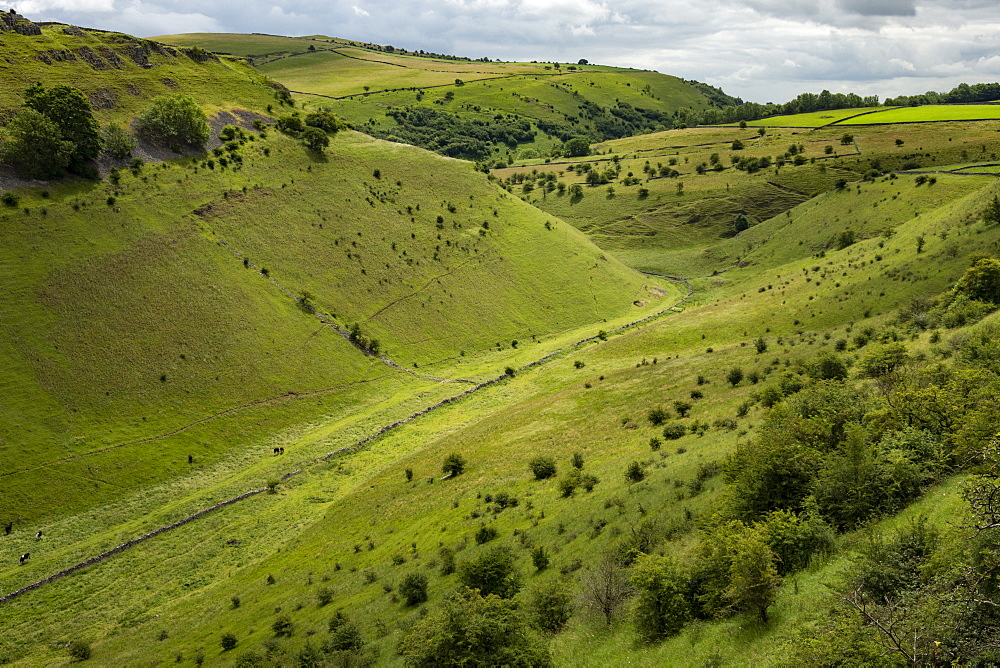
(734, 376)
(760, 344)
(542, 467)
(454, 464)
(228, 641)
(741, 223)
(324, 120)
(493, 572)
(71, 112)
(634, 472)
(174, 120)
(576, 147)
(606, 587)
(882, 360)
(413, 588)
(540, 558)
(662, 604)
(33, 145)
(473, 630)
(315, 139)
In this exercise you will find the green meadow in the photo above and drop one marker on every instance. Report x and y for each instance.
(928, 113)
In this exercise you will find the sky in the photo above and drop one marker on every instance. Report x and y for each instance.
(759, 50)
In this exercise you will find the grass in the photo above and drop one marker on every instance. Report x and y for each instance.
(929, 113)
(817, 119)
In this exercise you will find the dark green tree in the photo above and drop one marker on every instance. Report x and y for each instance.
(34, 146)
(454, 464)
(315, 139)
(542, 467)
(71, 112)
(576, 147)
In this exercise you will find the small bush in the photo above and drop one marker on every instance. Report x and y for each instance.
(655, 443)
(542, 467)
(674, 431)
(682, 408)
(485, 534)
(734, 376)
(577, 460)
(325, 596)
(79, 650)
(635, 472)
(283, 626)
(657, 416)
(413, 589)
(228, 641)
(447, 556)
(235, 601)
(454, 464)
(551, 606)
(540, 558)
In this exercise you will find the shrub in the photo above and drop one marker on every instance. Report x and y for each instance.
(325, 596)
(577, 460)
(734, 376)
(454, 464)
(71, 112)
(760, 344)
(492, 573)
(485, 534)
(325, 121)
(663, 603)
(588, 481)
(473, 630)
(118, 142)
(228, 641)
(682, 407)
(10, 199)
(283, 626)
(540, 558)
(655, 443)
(551, 606)
(235, 601)
(79, 650)
(542, 467)
(174, 120)
(674, 431)
(657, 416)
(345, 636)
(635, 472)
(569, 482)
(413, 588)
(447, 556)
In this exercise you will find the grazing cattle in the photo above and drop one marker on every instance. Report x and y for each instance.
(277, 451)
(282, 450)
(24, 557)
(8, 528)
(190, 459)
(38, 536)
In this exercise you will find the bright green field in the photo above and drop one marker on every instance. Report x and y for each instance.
(930, 112)
(814, 119)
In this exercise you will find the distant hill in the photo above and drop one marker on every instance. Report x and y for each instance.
(466, 108)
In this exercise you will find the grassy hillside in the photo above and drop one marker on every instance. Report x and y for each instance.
(668, 202)
(355, 524)
(365, 83)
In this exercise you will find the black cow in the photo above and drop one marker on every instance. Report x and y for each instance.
(8, 528)
(190, 459)
(24, 557)
(277, 451)
(282, 450)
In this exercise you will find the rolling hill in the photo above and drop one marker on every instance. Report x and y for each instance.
(267, 405)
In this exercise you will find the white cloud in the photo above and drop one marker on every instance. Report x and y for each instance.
(358, 11)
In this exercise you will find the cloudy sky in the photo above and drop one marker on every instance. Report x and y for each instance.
(760, 50)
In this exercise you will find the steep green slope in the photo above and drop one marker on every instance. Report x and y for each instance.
(119, 73)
